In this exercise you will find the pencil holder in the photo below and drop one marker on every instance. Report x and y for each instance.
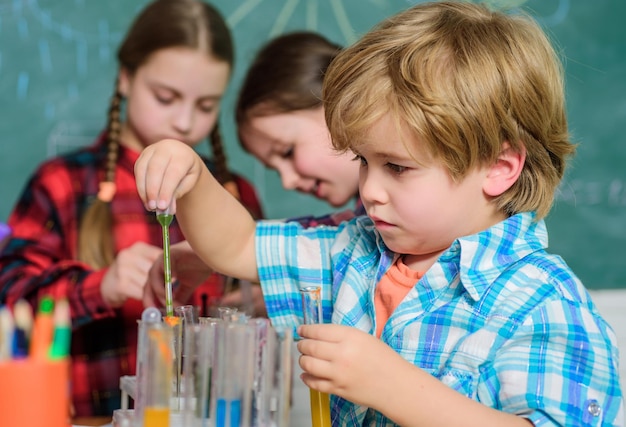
(34, 393)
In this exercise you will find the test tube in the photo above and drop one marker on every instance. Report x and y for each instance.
(188, 315)
(312, 311)
(246, 297)
(280, 344)
(176, 325)
(148, 316)
(158, 372)
(233, 378)
(226, 313)
(199, 366)
(262, 371)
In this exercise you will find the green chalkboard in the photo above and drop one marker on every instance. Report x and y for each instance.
(57, 66)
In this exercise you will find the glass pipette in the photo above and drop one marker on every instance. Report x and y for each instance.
(164, 217)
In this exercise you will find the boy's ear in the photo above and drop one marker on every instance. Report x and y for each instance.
(123, 83)
(505, 171)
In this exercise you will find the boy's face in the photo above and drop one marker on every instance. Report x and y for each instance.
(416, 207)
(175, 94)
(297, 145)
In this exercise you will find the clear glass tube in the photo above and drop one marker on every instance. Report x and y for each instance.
(233, 378)
(165, 219)
(148, 316)
(311, 304)
(156, 412)
(312, 312)
(226, 313)
(283, 378)
(176, 325)
(188, 313)
(199, 368)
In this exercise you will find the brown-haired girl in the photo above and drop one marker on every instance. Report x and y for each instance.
(80, 230)
(280, 121)
(280, 118)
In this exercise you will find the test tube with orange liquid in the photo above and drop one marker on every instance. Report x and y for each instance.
(312, 310)
(159, 359)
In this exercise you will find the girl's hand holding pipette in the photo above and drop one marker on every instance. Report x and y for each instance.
(349, 363)
(126, 277)
(188, 270)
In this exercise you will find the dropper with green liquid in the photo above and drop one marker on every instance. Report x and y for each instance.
(165, 219)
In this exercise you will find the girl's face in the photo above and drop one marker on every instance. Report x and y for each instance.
(297, 145)
(175, 94)
(416, 206)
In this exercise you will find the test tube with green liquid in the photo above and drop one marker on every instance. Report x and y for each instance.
(312, 311)
(164, 217)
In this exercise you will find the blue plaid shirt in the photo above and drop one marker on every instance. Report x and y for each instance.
(497, 318)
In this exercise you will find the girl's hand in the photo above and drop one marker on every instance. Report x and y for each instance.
(347, 362)
(166, 171)
(126, 277)
(248, 299)
(187, 268)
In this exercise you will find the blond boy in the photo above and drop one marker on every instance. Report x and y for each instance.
(446, 308)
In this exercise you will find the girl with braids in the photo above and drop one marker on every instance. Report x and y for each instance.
(80, 231)
(280, 121)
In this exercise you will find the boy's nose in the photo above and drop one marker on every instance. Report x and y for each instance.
(370, 188)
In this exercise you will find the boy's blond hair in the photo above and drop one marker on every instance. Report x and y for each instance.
(463, 80)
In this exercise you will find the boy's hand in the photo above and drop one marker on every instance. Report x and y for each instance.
(347, 362)
(164, 172)
(187, 268)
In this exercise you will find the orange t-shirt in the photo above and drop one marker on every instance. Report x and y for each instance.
(391, 290)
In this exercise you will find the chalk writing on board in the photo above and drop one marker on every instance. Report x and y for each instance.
(578, 192)
(557, 9)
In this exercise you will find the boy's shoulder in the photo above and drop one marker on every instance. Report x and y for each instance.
(539, 281)
(510, 261)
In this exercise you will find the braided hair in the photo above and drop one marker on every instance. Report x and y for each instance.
(180, 23)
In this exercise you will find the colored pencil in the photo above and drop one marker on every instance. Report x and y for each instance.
(6, 333)
(23, 318)
(60, 347)
(43, 328)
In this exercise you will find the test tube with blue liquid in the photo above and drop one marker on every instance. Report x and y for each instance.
(233, 382)
(198, 368)
(312, 311)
